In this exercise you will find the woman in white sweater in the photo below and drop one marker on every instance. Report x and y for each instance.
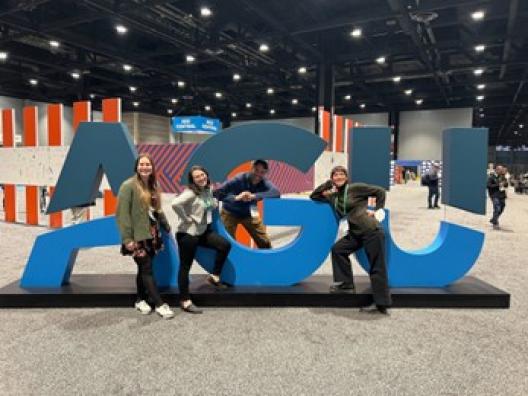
(194, 208)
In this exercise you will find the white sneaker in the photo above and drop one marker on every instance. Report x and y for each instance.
(164, 311)
(143, 307)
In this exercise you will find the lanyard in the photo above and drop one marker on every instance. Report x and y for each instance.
(345, 195)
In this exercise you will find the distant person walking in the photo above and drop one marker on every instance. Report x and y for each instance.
(431, 180)
(497, 185)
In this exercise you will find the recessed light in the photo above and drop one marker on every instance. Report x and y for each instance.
(127, 68)
(521, 126)
(362, 105)
(33, 81)
(480, 97)
(234, 115)
(478, 15)
(302, 70)
(248, 105)
(348, 97)
(294, 101)
(181, 84)
(357, 32)
(270, 91)
(136, 104)
(190, 58)
(169, 111)
(480, 48)
(75, 75)
(54, 44)
(478, 72)
(263, 47)
(272, 111)
(132, 89)
(419, 101)
(396, 79)
(236, 77)
(408, 92)
(481, 86)
(121, 29)
(3, 55)
(174, 100)
(218, 94)
(92, 96)
(380, 60)
(515, 132)
(314, 109)
(206, 12)
(481, 115)
(207, 108)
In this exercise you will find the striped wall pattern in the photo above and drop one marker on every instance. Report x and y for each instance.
(171, 160)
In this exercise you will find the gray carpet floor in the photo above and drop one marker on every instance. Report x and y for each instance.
(279, 351)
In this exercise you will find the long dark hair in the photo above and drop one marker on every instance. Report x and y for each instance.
(190, 181)
(150, 194)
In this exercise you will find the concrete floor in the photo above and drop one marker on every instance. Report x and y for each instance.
(279, 351)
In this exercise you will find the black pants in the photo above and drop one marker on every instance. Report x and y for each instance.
(433, 192)
(374, 244)
(499, 204)
(146, 286)
(187, 245)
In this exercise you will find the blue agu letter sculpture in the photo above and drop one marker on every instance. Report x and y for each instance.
(106, 147)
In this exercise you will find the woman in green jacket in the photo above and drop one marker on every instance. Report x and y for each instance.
(139, 217)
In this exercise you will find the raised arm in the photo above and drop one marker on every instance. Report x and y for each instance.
(317, 194)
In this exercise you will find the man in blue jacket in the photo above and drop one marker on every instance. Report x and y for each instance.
(240, 196)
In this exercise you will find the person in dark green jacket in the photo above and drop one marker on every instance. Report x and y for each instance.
(139, 218)
(350, 200)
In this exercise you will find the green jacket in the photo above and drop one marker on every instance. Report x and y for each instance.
(132, 215)
(356, 204)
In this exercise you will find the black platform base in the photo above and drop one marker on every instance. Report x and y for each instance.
(115, 290)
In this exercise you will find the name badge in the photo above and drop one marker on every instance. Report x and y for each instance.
(254, 211)
(209, 216)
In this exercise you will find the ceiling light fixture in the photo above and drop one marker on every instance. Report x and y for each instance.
(218, 94)
(478, 72)
(75, 75)
(408, 92)
(206, 12)
(263, 47)
(181, 84)
(480, 48)
(419, 101)
(3, 55)
(348, 97)
(272, 111)
(33, 81)
(234, 115)
(480, 97)
(248, 105)
(54, 44)
(362, 105)
(236, 77)
(121, 29)
(207, 108)
(478, 15)
(381, 60)
(302, 70)
(314, 109)
(396, 79)
(190, 58)
(92, 96)
(127, 68)
(136, 104)
(174, 100)
(521, 126)
(169, 111)
(270, 91)
(481, 86)
(356, 32)
(294, 101)
(132, 88)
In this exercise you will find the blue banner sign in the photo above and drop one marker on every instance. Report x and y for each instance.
(195, 124)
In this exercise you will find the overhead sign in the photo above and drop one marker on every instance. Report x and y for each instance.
(195, 124)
